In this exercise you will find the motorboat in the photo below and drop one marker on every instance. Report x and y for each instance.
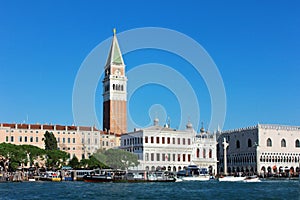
(150, 176)
(231, 178)
(251, 179)
(99, 176)
(193, 173)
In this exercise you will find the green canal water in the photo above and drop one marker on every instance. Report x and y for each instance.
(180, 190)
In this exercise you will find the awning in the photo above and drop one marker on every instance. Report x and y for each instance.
(66, 168)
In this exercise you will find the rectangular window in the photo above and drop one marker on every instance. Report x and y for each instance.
(163, 140)
(173, 140)
(96, 141)
(152, 140)
(178, 140)
(189, 157)
(106, 143)
(64, 140)
(189, 141)
(82, 140)
(163, 157)
(69, 140)
(58, 140)
(73, 140)
(36, 139)
(183, 157)
(152, 156)
(183, 141)
(89, 141)
(178, 157)
(20, 138)
(168, 140)
(6, 139)
(157, 157)
(31, 139)
(146, 156)
(174, 157)
(146, 139)
(169, 157)
(157, 140)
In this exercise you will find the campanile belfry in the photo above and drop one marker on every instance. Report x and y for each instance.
(115, 91)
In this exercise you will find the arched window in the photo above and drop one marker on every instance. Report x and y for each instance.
(238, 144)
(249, 143)
(297, 143)
(204, 153)
(197, 153)
(269, 142)
(210, 153)
(283, 143)
(113, 86)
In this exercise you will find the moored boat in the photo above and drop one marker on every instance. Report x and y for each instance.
(193, 173)
(98, 175)
(150, 176)
(51, 176)
(231, 178)
(251, 179)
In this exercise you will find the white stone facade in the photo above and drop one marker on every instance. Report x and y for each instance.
(164, 148)
(261, 149)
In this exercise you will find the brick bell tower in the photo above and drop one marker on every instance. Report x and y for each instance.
(115, 91)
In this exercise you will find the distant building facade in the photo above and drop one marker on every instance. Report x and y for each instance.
(79, 141)
(261, 149)
(205, 151)
(115, 91)
(163, 148)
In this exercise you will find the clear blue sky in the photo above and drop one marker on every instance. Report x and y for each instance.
(255, 45)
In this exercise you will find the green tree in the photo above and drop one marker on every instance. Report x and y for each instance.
(50, 141)
(18, 154)
(91, 163)
(56, 158)
(74, 163)
(117, 158)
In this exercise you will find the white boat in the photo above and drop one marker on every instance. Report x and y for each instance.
(192, 173)
(251, 179)
(195, 178)
(232, 178)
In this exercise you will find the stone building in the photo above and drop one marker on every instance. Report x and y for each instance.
(261, 149)
(160, 147)
(205, 151)
(79, 141)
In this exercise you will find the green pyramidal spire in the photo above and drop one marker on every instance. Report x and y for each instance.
(115, 55)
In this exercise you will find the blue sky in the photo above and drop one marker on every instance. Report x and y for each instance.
(255, 45)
